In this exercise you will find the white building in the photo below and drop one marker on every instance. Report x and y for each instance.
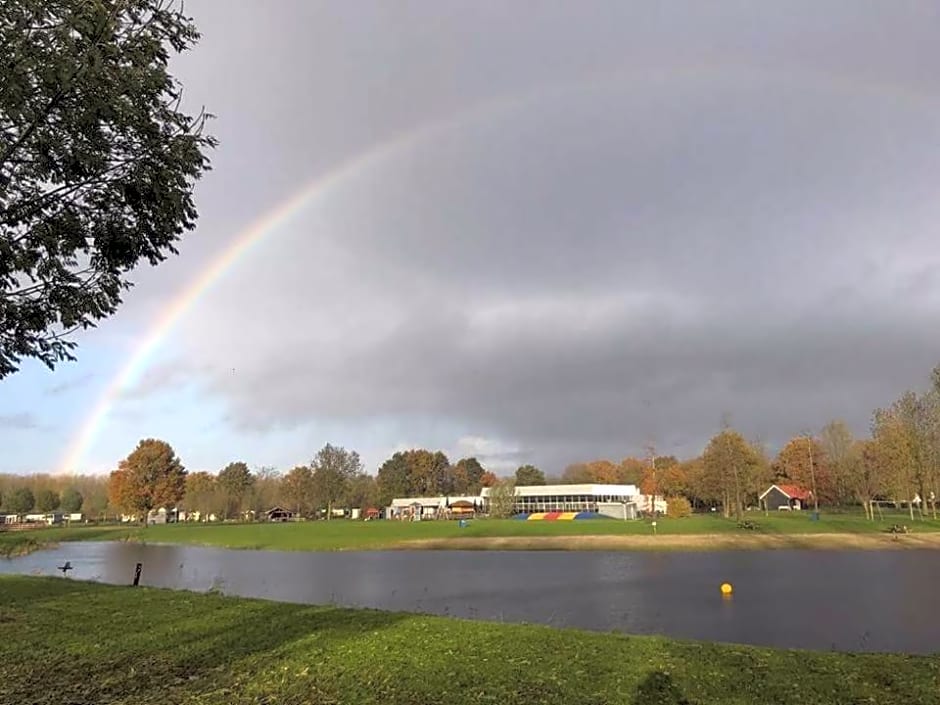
(532, 499)
(570, 498)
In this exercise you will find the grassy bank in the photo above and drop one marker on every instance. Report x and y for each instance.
(696, 532)
(691, 533)
(66, 641)
(16, 543)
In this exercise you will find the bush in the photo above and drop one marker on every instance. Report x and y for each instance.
(677, 507)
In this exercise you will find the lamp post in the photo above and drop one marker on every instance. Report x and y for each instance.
(812, 471)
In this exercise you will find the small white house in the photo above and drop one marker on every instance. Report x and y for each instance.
(50, 518)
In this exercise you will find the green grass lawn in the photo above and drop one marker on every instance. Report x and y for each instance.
(63, 641)
(351, 535)
(338, 535)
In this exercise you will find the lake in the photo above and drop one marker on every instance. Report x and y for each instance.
(844, 600)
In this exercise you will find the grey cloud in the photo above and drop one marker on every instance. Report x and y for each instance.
(69, 385)
(20, 421)
(693, 212)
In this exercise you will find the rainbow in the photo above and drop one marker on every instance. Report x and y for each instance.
(320, 187)
(269, 222)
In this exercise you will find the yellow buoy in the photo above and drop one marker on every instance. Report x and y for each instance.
(726, 589)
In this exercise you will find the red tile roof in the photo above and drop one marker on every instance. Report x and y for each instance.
(795, 492)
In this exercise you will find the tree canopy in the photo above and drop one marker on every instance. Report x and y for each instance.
(235, 481)
(149, 478)
(47, 500)
(71, 500)
(97, 162)
(333, 469)
(21, 500)
(529, 475)
(416, 472)
(466, 477)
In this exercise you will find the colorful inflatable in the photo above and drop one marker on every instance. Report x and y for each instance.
(557, 516)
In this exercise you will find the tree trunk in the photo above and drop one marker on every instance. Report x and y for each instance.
(737, 494)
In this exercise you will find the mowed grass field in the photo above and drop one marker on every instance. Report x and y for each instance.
(698, 532)
(63, 641)
(362, 535)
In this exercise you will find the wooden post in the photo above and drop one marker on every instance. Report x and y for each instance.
(137, 574)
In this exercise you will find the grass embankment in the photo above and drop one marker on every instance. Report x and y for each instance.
(689, 533)
(17, 543)
(67, 641)
(701, 532)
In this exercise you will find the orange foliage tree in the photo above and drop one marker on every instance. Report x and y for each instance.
(488, 479)
(794, 465)
(150, 477)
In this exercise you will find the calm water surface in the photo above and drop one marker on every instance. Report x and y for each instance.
(846, 600)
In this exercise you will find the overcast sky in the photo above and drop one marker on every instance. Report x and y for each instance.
(573, 228)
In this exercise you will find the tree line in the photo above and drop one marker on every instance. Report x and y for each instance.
(898, 461)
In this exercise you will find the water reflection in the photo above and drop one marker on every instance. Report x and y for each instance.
(846, 600)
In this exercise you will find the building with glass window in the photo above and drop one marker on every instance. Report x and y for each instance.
(570, 498)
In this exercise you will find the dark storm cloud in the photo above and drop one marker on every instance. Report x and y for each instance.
(682, 212)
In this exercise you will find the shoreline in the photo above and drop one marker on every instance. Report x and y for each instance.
(725, 541)
(679, 542)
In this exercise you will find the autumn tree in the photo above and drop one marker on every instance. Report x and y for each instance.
(802, 462)
(837, 445)
(602, 472)
(362, 491)
(732, 467)
(150, 477)
(235, 483)
(631, 470)
(699, 490)
(867, 470)
(933, 407)
(668, 480)
(333, 469)
(428, 471)
(47, 500)
(895, 457)
(299, 491)
(466, 477)
(416, 472)
(916, 415)
(202, 494)
(502, 499)
(265, 490)
(97, 162)
(72, 501)
(489, 479)
(529, 475)
(577, 474)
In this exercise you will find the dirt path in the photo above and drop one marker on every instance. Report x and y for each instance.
(673, 542)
